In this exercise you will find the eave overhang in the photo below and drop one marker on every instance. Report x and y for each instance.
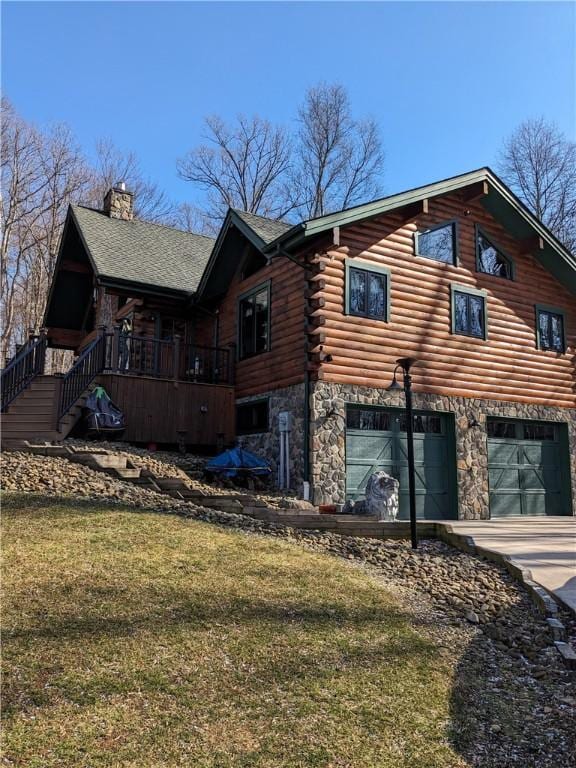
(499, 201)
(232, 220)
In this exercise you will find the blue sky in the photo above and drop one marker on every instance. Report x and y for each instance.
(446, 81)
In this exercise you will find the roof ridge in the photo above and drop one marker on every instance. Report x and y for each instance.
(376, 200)
(142, 221)
(240, 212)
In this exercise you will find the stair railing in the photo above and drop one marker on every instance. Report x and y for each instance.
(28, 363)
(89, 364)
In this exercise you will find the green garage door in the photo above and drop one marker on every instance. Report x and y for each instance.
(528, 468)
(376, 439)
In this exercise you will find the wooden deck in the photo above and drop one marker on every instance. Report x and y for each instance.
(157, 410)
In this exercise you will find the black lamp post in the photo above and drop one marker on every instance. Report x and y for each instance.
(405, 363)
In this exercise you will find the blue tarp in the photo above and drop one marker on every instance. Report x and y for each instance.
(235, 461)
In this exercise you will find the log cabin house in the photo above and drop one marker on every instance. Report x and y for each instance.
(205, 341)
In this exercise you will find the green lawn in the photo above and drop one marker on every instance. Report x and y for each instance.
(147, 640)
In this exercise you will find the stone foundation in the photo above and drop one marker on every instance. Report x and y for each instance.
(267, 444)
(327, 438)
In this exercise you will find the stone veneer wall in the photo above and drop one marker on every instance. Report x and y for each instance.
(327, 438)
(267, 444)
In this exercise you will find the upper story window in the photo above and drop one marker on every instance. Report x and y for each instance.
(367, 290)
(550, 329)
(438, 243)
(490, 259)
(254, 321)
(468, 312)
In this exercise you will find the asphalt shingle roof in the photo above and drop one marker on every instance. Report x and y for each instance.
(266, 229)
(142, 252)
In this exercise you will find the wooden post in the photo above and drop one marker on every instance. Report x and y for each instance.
(102, 336)
(231, 362)
(115, 363)
(42, 350)
(176, 357)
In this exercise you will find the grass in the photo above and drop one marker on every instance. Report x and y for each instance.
(146, 640)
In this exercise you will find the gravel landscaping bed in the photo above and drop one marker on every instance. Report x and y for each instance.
(186, 467)
(508, 644)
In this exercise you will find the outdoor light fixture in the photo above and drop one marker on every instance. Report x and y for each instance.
(394, 387)
(405, 364)
(473, 422)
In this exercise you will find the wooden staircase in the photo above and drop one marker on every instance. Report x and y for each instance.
(43, 409)
(32, 417)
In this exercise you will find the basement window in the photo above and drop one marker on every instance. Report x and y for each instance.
(438, 243)
(252, 417)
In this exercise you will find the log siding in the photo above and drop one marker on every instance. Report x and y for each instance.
(284, 363)
(507, 365)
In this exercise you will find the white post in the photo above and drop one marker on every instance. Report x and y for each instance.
(284, 427)
(287, 458)
(281, 463)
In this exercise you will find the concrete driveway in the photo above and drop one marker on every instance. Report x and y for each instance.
(544, 545)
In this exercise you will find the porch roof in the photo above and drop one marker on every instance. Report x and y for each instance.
(142, 252)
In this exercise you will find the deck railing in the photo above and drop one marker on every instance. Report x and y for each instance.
(134, 355)
(26, 364)
(90, 363)
(167, 359)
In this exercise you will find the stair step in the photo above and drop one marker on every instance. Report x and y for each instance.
(22, 404)
(31, 408)
(109, 461)
(42, 386)
(24, 418)
(29, 432)
(222, 503)
(193, 493)
(128, 474)
(170, 483)
(22, 438)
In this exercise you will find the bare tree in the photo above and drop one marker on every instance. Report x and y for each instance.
(192, 218)
(339, 160)
(111, 166)
(41, 172)
(242, 166)
(539, 164)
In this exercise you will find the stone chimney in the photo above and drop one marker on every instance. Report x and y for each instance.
(118, 203)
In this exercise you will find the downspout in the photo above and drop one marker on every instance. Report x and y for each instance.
(306, 473)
